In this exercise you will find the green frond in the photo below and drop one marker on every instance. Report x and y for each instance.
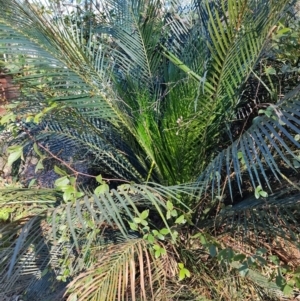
(16, 195)
(232, 35)
(86, 139)
(29, 263)
(45, 68)
(135, 29)
(94, 222)
(270, 138)
(113, 209)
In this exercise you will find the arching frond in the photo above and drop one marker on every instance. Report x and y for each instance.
(59, 72)
(86, 139)
(136, 29)
(271, 137)
(80, 232)
(237, 34)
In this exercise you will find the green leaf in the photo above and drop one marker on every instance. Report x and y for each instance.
(206, 210)
(243, 270)
(157, 254)
(263, 194)
(143, 222)
(159, 236)
(287, 290)
(164, 231)
(203, 239)
(187, 273)
(31, 183)
(250, 260)
(62, 182)
(144, 214)
(133, 226)
(101, 189)
(261, 260)
(39, 166)
(156, 247)
(150, 238)
(226, 254)
(69, 192)
(4, 214)
(274, 259)
(7, 118)
(159, 251)
(180, 220)
(174, 213)
(297, 282)
(269, 112)
(37, 151)
(280, 281)
(283, 31)
(239, 257)
(72, 181)
(163, 251)
(169, 206)
(270, 71)
(15, 152)
(155, 232)
(261, 251)
(78, 194)
(59, 171)
(99, 179)
(181, 274)
(257, 192)
(137, 220)
(38, 117)
(212, 250)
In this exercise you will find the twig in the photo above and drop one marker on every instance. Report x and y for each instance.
(76, 173)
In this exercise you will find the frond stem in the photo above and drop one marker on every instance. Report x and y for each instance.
(150, 171)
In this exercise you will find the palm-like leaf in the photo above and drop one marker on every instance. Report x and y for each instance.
(271, 135)
(116, 274)
(98, 142)
(85, 227)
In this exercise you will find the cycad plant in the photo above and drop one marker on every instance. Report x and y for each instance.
(151, 171)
